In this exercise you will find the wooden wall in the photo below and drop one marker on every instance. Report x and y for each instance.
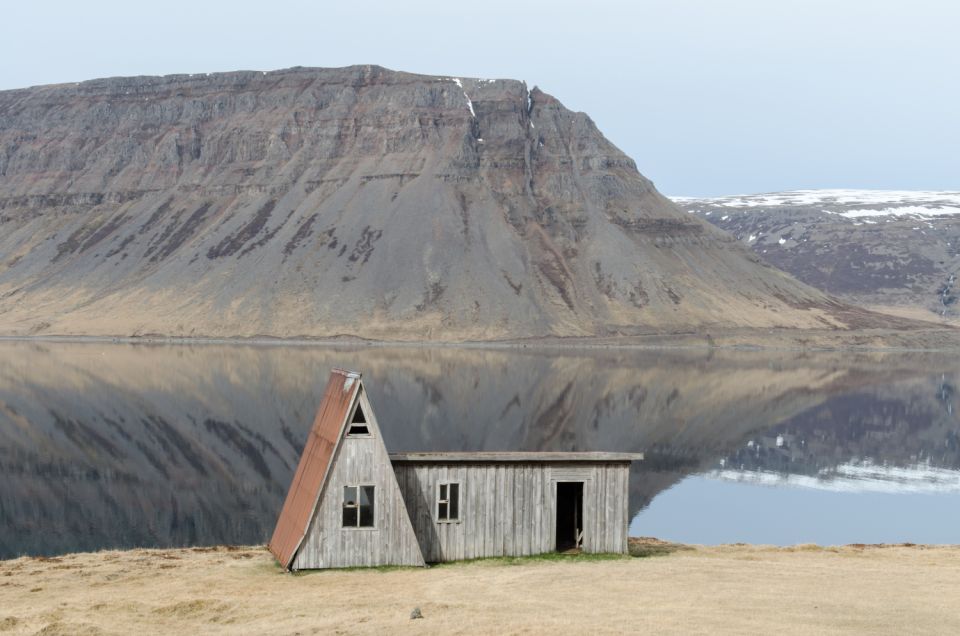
(360, 461)
(508, 509)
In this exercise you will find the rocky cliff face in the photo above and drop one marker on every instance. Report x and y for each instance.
(355, 201)
(898, 252)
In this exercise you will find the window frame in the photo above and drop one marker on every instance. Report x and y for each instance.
(365, 424)
(356, 506)
(439, 501)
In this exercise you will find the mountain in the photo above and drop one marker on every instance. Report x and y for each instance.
(895, 251)
(355, 201)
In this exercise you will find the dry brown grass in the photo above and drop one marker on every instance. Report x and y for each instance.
(729, 589)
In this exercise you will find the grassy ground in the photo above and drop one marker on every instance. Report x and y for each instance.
(677, 589)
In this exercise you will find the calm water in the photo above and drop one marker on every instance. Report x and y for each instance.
(107, 446)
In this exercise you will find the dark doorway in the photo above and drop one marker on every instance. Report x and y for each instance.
(569, 515)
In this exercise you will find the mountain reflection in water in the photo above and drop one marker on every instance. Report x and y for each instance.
(117, 445)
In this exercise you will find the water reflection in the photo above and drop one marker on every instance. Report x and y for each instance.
(895, 437)
(123, 445)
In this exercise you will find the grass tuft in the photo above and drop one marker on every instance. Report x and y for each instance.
(642, 547)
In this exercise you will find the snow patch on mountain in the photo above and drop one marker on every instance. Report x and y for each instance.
(905, 210)
(851, 204)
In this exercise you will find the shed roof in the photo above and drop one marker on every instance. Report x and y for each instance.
(503, 457)
(342, 389)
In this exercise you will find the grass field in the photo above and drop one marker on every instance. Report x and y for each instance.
(672, 589)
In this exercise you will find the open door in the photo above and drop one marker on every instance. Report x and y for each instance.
(569, 515)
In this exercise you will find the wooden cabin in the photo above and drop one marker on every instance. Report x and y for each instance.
(352, 504)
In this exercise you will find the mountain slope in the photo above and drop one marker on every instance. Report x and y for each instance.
(892, 250)
(355, 201)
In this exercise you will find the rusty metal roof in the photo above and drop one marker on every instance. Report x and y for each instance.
(304, 493)
(505, 457)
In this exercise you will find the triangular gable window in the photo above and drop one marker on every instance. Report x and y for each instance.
(358, 424)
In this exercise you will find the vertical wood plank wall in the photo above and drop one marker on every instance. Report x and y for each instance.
(508, 509)
(360, 460)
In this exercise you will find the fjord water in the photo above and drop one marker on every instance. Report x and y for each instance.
(121, 445)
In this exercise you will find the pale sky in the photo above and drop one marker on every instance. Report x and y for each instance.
(709, 97)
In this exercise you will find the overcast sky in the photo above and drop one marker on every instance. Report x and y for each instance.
(708, 96)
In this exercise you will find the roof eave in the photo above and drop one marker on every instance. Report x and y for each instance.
(514, 457)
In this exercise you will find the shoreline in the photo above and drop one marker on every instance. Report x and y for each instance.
(640, 547)
(669, 589)
(932, 340)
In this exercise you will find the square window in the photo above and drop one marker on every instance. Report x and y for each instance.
(448, 501)
(358, 506)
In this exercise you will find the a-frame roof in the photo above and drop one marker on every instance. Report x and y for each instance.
(342, 390)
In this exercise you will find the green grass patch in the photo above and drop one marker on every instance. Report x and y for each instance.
(536, 558)
(638, 548)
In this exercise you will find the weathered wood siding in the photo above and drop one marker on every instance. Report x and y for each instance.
(360, 461)
(509, 509)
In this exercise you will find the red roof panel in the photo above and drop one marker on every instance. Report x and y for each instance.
(318, 452)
